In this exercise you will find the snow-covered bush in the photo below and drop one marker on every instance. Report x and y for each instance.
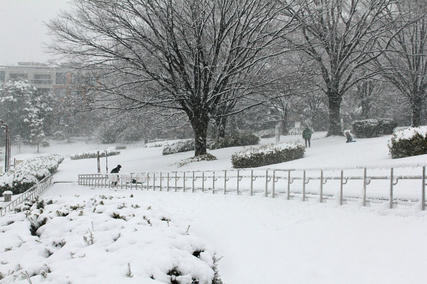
(408, 142)
(104, 227)
(179, 146)
(29, 172)
(267, 155)
(368, 128)
(93, 154)
(236, 139)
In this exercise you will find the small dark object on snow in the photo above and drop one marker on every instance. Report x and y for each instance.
(116, 170)
(349, 137)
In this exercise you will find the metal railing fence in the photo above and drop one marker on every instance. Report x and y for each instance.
(392, 185)
(30, 194)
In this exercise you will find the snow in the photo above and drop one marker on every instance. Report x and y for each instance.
(266, 149)
(408, 133)
(112, 230)
(258, 240)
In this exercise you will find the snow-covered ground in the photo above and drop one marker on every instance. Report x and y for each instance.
(259, 240)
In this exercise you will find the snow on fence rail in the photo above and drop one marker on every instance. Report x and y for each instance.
(391, 185)
(30, 194)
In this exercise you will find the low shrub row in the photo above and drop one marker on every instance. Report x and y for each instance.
(373, 127)
(29, 172)
(267, 155)
(93, 154)
(408, 142)
(178, 147)
(236, 139)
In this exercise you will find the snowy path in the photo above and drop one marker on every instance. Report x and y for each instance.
(277, 241)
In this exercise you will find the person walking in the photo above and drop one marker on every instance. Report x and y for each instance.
(115, 178)
(306, 134)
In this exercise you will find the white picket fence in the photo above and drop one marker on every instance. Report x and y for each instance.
(30, 194)
(399, 185)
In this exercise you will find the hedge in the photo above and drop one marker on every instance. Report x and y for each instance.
(93, 154)
(408, 142)
(178, 147)
(236, 139)
(373, 127)
(267, 155)
(29, 172)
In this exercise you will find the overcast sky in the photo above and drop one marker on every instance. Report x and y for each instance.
(23, 34)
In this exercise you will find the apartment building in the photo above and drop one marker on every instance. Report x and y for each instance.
(57, 79)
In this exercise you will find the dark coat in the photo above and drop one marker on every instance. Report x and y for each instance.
(306, 134)
(116, 170)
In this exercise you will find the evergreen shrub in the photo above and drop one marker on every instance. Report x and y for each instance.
(368, 128)
(408, 142)
(178, 147)
(267, 155)
(236, 139)
(29, 172)
(94, 154)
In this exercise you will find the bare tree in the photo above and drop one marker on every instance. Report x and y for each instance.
(340, 35)
(404, 64)
(189, 52)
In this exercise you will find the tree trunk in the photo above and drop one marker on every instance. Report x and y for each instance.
(334, 100)
(200, 129)
(416, 106)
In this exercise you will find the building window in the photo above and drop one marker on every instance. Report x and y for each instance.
(2, 76)
(60, 78)
(18, 76)
(42, 77)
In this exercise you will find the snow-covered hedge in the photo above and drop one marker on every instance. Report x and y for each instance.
(408, 142)
(179, 146)
(236, 139)
(29, 172)
(93, 154)
(267, 155)
(368, 128)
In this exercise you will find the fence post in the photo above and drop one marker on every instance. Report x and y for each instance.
(321, 186)
(98, 162)
(203, 181)
(176, 181)
(183, 181)
(238, 181)
(303, 185)
(364, 187)
(391, 188)
(288, 193)
(154, 181)
(423, 190)
(161, 181)
(148, 181)
(252, 182)
(167, 179)
(341, 186)
(273, 191)
(266, 183)
(213, 182)
(225, 181)
(192, 186)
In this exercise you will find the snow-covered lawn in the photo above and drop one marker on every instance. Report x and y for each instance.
(258, 240)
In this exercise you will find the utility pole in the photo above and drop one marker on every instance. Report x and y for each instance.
(7, 151)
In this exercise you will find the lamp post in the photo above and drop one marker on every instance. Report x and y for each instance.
(7, 145)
